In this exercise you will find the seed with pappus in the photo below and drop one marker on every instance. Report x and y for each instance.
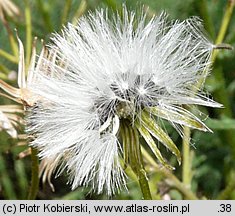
(106, 83)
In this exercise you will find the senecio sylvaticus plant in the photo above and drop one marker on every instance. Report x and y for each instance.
(106, 82)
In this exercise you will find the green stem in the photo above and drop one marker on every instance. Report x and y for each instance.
(202, 6)
(28, 32)
(186, 174)
(130, 137)
(224, 26)
(171, 179)
(5, 180)
(111, 3)
(80, 11)
(225, 21)
(66, 11)
(34, 175)
(114, 5)
(144, 185)
(8, 56)
(219, 73)
(45, 15)
(140, 172)
(13, 44)
(222, 94)
(3, 76)
(4, 69)
(21, 178)
(219, 40)
(225, 194)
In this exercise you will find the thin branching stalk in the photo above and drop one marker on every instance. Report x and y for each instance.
(5, 180)
(28, 32)
(11, 38)
(22, 178)
(80, 11)
(207, 18)
(225, 194)
(135, 159)
(187, 174)
(144, 185)
(219, 76)
(34, 175)
(8, 56)
(172, 180)
(45, 15)
(111, 3)
(223, 96)
(4, 69)
(67, 7)
(141, 173)
(224, 26)
(127, 98)
(187, 166)
(219, 73)
(3, 76)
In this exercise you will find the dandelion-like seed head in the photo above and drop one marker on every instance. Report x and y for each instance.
(104, 86)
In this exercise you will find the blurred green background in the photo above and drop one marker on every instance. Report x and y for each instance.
(212, 154)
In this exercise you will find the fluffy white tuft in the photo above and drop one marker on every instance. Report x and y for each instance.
(103, 69)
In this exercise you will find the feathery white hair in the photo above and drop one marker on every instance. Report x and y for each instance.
(103, 70)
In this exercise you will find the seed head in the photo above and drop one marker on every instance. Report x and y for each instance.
(111, 76)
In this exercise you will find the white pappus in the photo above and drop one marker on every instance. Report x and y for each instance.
(104, 70)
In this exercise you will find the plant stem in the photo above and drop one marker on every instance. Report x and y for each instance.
(130, 138)
(139, 166)
(219, 73)
(202, 6)
(144, 185)
(21, 178)
(224, 26)
(34, 175)
(8, 56)
(80, 11)
(225, 194)
(67, 7)
(219, 40)
(3, 76)
(4, 69)
(28, 32)
(172, 180)
(13, 43)
(186, 174)
(45, 15)
(5, 180)
(222, 94)
(112, 4)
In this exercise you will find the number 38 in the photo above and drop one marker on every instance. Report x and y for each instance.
(225, 208)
